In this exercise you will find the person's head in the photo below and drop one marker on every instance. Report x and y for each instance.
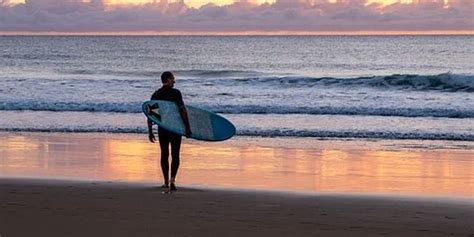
(167, 78)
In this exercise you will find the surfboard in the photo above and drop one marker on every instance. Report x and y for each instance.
(205, 125)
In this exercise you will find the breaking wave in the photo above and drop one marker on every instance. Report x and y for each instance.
(135, 107)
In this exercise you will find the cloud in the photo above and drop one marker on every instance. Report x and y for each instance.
(350, 15)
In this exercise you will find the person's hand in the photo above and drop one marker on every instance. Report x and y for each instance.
(151, 137)
(187, 133)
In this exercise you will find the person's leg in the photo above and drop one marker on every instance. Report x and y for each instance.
(164, 147)
(175, 150)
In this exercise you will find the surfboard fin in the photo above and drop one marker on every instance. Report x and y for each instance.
(154, 110)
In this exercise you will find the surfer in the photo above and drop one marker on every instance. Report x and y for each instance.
(168, 93)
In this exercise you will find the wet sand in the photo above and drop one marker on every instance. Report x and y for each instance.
(39, 207)
(426, 168)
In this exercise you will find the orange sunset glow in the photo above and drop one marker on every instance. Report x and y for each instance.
(236, 17)
(200, 3)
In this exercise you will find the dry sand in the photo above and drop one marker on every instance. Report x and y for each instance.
(40, 207)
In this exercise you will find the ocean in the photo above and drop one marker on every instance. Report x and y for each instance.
(336, 87)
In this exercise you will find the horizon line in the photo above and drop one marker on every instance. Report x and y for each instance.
(240, 33)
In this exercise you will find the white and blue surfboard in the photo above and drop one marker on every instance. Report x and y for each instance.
(205, 125)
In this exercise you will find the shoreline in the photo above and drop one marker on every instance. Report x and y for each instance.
(285, 141)
(88, 208)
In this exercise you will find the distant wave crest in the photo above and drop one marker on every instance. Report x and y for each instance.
(446, 82)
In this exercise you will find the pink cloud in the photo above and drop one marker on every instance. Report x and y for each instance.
(351, 15)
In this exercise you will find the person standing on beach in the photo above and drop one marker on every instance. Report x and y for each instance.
(168, 93)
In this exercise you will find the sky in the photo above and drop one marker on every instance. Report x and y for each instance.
(236, 16)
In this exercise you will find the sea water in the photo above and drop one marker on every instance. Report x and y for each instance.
(387, 87)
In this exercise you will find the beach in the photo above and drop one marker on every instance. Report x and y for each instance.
(57, 184)
(336, 135)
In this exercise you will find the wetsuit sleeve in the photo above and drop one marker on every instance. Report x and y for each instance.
(153, 97)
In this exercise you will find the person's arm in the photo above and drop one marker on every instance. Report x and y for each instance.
(184, 116)
(184, 113)
(151, 136)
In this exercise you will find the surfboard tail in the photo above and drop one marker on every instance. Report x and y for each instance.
(154, 110)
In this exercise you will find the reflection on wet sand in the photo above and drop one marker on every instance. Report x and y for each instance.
(325, 168)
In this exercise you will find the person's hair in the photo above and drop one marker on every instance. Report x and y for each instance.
(165, 76)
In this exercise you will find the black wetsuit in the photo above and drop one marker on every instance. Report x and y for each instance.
(165, 137)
